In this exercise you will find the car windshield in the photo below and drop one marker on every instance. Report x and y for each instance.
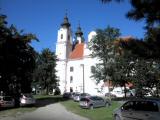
(77, 94)
(7, 98)
(84, 99)
(28, 95)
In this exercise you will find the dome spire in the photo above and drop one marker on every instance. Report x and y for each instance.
(65, 22)
(79, 31)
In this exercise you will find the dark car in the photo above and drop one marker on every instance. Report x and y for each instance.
(67, 95)
(139, 109)
(93, 102)
(6, 101)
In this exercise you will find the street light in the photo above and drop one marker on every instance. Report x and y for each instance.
(83, 78)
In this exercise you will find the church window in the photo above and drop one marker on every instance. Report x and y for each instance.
(71, 89)
(68, 37)
(71, 79)
(61, 36)
(71, 69)
(93, 69)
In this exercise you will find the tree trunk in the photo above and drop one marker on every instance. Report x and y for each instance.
(47, 90)
(157, 90)
(125, 90)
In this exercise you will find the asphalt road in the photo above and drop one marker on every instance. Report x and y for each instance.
(54, 111)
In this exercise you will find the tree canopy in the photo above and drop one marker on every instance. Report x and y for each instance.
(45, 73)
(102, 47)
(17, 59)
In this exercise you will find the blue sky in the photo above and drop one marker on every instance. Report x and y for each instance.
(43, 18)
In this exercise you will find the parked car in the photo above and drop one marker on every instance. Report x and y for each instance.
(6, 101)
(73, 94)
(121, 93)
(140, 109)
(67, 95)
(78, 96)
(93, 102)
(27, 99)
(110, 95)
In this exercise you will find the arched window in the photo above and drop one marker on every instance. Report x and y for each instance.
(61, 36)
(71, 79)
(71, 69)
(93, 69)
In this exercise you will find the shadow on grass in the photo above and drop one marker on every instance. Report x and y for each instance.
(43, 101)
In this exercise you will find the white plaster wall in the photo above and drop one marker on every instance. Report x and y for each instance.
(77, 85)
(61, 74)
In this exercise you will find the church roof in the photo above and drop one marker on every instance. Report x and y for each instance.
(79, 31)
(65, 22)
(77, 53)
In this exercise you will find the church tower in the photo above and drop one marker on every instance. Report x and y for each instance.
(79, 35)
(63, 49)
(64, 40)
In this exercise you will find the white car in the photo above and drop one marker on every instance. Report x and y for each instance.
(138, 109)
(78, 96)
(27, 99)
(121, 93)
(93, 102)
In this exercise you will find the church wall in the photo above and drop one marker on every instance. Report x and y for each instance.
(61, 65)
(77, 75)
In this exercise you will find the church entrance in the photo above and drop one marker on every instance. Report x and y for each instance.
(71, 89)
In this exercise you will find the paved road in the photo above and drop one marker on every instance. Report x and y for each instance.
(50, 112)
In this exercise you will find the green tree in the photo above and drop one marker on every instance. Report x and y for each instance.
(17, 60)
(102, 47)
(146, 77)
(149, 11)
(149, 48)
(45, 73)
(146, 66)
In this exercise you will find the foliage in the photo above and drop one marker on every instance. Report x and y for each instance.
(17, 59)
(45, 73)
(148, 10)
(102, 47)
(146, 77)
(149, 49)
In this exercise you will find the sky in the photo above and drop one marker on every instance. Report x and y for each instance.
(44, 17)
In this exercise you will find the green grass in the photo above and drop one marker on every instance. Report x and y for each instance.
(103, 113)
(43, 96)
(16, 111)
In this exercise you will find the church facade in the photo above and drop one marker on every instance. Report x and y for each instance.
(74, 65)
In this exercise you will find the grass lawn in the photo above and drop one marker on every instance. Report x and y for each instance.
(103, 113)
(16, 111)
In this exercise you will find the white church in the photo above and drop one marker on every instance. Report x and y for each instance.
(74, 65)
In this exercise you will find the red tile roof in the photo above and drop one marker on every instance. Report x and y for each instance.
(109, 83)
(77, 53)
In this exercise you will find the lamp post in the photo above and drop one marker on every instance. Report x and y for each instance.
(83, 78)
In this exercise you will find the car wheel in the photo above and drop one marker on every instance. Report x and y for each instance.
(117, 117)
(91, 107)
